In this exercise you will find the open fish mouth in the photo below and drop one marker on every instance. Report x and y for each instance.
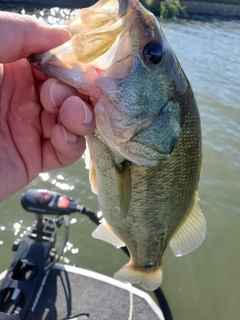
(100, 40)
(95, 36)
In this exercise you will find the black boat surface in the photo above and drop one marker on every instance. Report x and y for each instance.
(68, 292)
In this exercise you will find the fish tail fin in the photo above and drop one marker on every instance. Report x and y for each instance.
(148, 279)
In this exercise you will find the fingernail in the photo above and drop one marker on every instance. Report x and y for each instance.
(69, 137)
(51, 93)
(88, 114)
(59, 92)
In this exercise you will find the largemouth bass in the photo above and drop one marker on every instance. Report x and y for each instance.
(145, 154)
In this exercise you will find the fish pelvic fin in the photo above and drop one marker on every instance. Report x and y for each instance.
(124, 186)
(105, 232)
(149, 279)
(191, 233)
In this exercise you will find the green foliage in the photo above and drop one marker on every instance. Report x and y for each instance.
(152, 5)
(171, 9)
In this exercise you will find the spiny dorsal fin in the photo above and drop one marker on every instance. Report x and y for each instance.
(124, 185)
(104, 232)
(191, 232)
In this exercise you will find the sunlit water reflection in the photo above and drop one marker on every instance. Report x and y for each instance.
(203, 284)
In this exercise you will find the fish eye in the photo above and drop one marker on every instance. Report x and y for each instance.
(153, 52)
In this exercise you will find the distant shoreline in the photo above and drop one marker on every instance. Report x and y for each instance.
(198, 10)
(194, 9)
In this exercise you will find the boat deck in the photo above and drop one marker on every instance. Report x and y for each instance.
(75, 293)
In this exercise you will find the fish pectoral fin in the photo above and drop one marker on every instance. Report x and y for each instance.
(124, 186)
(148, 279)
(104, 232)
(191, 233)
(92, 171)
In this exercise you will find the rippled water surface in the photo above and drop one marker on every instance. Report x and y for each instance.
(205, 283)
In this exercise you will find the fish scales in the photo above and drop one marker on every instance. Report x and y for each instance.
(176, 176)
(145, 155)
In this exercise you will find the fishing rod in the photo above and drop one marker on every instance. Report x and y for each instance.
(21, 288)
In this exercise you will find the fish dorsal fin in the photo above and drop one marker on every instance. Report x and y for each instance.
(191, 233)
(124, 186)
(92, 171)
(104, 232)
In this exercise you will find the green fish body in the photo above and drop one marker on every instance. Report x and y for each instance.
(145, 155)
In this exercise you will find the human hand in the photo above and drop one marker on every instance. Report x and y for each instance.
(34, 139)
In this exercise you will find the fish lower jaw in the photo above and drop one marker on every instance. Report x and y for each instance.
(148, 278)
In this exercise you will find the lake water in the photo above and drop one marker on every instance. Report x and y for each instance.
(205, 283)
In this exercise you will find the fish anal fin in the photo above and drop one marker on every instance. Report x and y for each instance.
(104, 232)
(148, 279)
(124, 186)
(191, 233)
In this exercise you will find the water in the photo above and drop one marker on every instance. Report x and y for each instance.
(205, 283)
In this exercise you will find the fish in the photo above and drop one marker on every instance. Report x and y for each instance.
(145, 155)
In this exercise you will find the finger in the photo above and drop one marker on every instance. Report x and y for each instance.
(48, 121)
(62, 150)
(23, 35)
(77, 116)
(38, 75)
(53, 93)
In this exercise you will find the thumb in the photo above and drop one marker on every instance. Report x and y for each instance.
(23, 35)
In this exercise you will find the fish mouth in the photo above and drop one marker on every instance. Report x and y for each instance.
(91, 38)
(97, 44)
(100, 38)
